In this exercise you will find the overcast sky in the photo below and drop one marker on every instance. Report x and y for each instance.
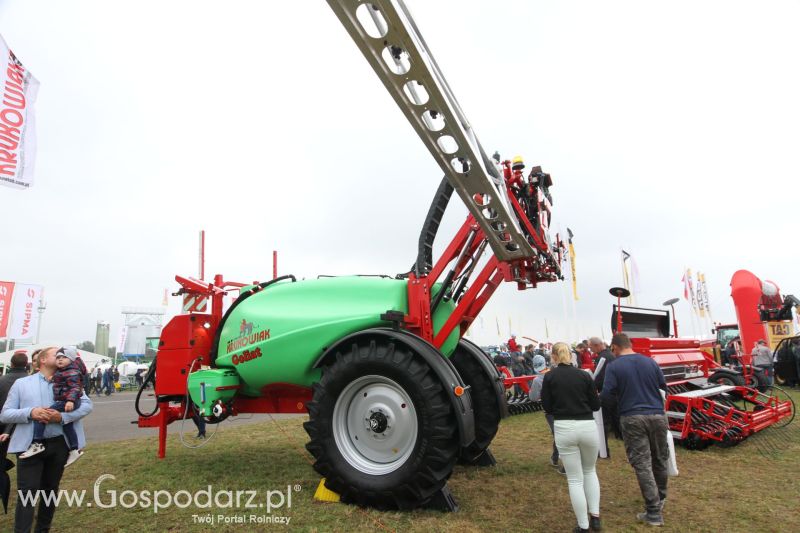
(671, 130)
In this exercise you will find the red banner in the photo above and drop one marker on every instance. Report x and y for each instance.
(6, 291)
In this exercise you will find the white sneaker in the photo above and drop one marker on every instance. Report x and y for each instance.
(73, 456)
(33, 449)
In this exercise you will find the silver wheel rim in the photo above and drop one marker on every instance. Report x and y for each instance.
(375, 425)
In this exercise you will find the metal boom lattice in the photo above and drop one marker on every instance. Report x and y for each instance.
(387, 36)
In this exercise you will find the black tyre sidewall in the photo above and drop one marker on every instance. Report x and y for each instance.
(725, 378)
(484, 402)
(436, 447)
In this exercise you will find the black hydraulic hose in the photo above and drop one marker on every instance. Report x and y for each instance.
(448, 280)
(150, 376)
(430, 227)
(464, 278)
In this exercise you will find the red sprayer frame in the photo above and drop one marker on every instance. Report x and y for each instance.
(188, 340)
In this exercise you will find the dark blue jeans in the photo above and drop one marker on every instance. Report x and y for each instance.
(69, 431)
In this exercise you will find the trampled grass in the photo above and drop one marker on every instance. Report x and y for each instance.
(751, 487)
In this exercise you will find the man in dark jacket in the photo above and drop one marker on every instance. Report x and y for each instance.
(19, 362)
(603, 352)
(610, 416)
(638, 382)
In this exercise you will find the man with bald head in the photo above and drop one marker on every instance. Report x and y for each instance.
(599, 347)
(609, 404)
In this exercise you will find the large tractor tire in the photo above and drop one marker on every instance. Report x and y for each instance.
(485, 383)
(382, 428)
(727, 378)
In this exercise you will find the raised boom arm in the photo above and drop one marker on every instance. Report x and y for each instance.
(387, 36)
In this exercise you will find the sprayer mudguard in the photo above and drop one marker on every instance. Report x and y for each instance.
(491, 370)
(444, 369)
(276, 335)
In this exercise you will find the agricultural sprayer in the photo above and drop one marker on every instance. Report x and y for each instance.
(395, 396)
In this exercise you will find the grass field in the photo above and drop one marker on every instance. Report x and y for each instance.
(753, 487)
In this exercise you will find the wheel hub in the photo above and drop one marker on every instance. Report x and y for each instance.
(378, 422)
(375, 424)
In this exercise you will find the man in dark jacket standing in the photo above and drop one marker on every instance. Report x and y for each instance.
(601, 362)
(637, 381)
(19, 363)
(603, 352)
(19, 369)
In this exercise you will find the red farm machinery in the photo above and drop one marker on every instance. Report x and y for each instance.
(706, 403)
(395, 395)
(762, 313)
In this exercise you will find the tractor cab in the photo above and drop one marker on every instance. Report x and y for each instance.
(726, 333)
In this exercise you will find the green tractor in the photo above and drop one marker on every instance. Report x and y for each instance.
(395, 396)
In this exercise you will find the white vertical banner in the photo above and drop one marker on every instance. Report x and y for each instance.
(17, 130)
(123, 334)
(24, 311)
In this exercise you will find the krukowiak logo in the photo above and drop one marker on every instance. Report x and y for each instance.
(247, 336)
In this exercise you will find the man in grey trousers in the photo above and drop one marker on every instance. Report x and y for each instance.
(637, 381)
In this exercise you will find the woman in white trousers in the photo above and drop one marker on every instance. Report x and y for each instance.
(569, 395)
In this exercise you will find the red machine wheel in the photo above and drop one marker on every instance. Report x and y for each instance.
(382, 428)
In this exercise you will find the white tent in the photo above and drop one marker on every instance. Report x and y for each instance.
(129, 368)
(89, 359)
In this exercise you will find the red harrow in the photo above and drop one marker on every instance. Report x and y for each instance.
(700, 410)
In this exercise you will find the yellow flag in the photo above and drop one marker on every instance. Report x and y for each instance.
(572, 267)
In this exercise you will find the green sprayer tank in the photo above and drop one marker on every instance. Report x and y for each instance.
(276, 335)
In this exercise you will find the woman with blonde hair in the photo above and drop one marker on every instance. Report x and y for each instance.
(569, 395)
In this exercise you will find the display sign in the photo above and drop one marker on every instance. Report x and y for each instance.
(17, 135)
(777, 331)
(19, 310)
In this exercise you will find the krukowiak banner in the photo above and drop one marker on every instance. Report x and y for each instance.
(17, 131)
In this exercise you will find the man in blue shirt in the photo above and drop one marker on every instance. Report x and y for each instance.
(28, 400)
(637, 382)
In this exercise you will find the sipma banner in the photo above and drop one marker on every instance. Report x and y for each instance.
(24, 315)
(17, 132)
(19, 305)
